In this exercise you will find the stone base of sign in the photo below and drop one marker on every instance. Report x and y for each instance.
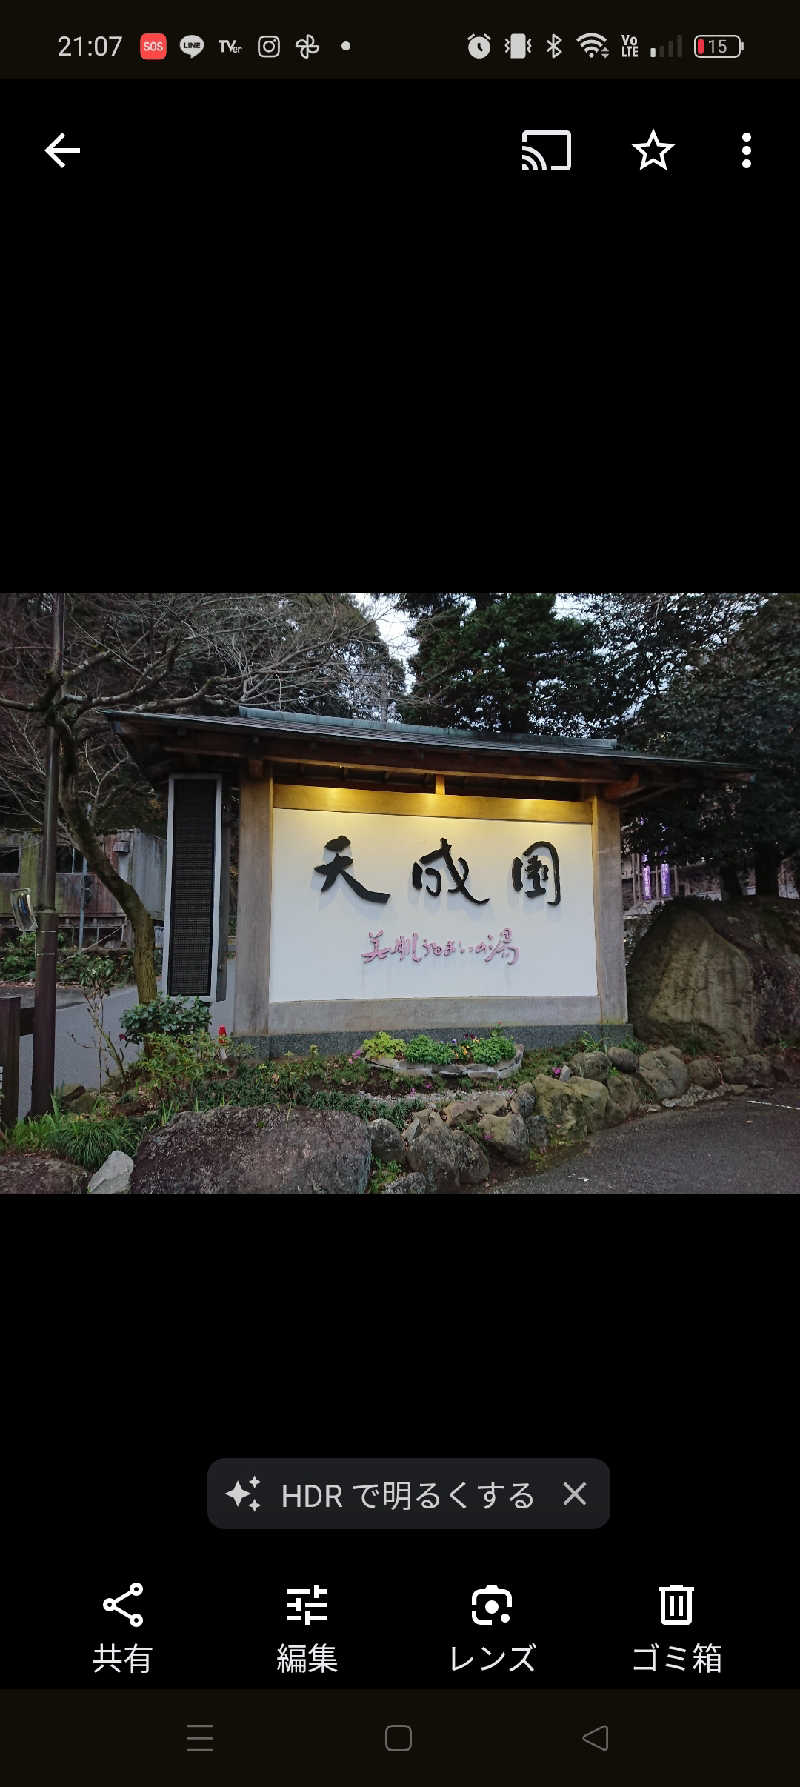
(343, 1042)
(366, 1016)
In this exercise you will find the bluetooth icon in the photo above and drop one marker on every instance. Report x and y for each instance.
(554, 46)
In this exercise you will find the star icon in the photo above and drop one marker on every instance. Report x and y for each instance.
(254, 1481)
(653, 160)
(237, 1494)
(255, 1506)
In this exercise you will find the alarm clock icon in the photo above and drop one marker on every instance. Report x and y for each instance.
(479, 45)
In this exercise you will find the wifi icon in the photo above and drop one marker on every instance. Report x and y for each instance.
(593, 44)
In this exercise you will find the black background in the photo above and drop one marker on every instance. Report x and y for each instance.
(423, 1328)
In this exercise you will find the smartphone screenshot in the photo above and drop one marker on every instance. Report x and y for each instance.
(399, 1000)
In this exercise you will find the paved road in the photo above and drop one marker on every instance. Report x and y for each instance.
(749, 1143)
(76, 1045)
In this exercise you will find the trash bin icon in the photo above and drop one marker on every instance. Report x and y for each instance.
(676, 1604)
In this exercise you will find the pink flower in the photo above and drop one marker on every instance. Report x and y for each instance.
(222, 1030)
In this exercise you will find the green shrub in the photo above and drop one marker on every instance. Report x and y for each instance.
(173, 1066)
(74, 967)
(18, 959)
(382, 1044)
(165, 1017)
(424, 1048)
(489, 1050)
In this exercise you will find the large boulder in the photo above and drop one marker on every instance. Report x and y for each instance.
(664, 1072)
(254, 1149)
(37, 1175)
(725, 973)
(114, 1176)
(448, 1159)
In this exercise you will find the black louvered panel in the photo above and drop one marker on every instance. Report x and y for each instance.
(192, 904)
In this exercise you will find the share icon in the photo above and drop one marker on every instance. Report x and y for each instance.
(112, 1606)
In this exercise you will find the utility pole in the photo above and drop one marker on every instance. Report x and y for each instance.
(44, 1013)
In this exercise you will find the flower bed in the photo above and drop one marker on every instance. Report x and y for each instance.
(493, 1057)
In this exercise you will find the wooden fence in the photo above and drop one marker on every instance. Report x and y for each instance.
(15, 1021)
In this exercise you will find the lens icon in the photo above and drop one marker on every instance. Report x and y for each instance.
(269, 46)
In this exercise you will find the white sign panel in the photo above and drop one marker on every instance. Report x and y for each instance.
(501, 906)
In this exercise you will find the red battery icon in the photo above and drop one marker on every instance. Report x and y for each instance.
(718, 46)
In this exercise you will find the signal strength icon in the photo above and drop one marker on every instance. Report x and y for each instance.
(593, 44)
(673, 47)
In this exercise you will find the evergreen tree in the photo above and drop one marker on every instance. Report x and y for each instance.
(741, 704)
(500, 662)
(652, 637)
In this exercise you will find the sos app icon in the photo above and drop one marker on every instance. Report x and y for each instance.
(152, 46)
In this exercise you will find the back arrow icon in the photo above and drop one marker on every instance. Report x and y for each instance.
(58, 143)
(598, 1738)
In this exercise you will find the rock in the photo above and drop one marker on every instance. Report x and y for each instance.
(37, 1175)
(664, 1073)
(704, 1072)
(576, 1066)
(114, 1175)
(595, 1065)
(624, 1059)
(474, 1107)
(385, 1140)
(447, 1159)
(786, 1067)
(255, 1149)
(68, 1094)
(733, 1068)
(594, 1098)
(84, 1104)
(737, 1090)
(623, 1099)
(509, 1135)
(407, 1182)
(758, 1071)
(523, 1099)
(695, 1095)
(565, 1074)
(725, 972)
(559, 1107)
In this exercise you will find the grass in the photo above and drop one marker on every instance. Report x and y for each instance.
(87, 1141)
